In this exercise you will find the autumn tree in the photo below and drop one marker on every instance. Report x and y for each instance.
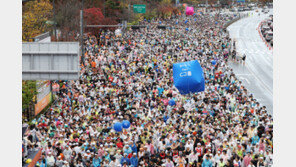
(35, 15)
(93, 16)
(165, 8)
(67, 17)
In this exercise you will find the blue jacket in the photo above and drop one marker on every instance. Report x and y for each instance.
(134, 148)
(128, 151)
(255, 140)
(125, 159)
(41, 164)
(165, 118)
(134, 161)
(206, 163)
(97, 162)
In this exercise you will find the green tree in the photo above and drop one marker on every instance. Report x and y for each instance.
(28, 93)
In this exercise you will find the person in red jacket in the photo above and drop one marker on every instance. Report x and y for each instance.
(162, 155)
(119, 144)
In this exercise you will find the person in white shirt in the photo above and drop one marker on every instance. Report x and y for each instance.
(67, 153)
(217, 158)
(50, 160)
(113, 163)
(169, 163)
(224, 156)
(192, 157)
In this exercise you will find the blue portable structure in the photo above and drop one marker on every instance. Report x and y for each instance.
(188, 77)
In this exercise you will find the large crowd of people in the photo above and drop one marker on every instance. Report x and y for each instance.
(130, 77)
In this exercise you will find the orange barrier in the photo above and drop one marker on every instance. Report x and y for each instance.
(36, 158)
(266, 43)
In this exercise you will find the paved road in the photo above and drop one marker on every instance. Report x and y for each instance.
(257, 74)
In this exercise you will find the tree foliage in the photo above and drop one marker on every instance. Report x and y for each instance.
(67, 17)
(93, 16)
(166, 8)
(34, 17)
(28, 92)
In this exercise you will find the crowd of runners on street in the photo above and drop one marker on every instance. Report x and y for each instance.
(130, 77)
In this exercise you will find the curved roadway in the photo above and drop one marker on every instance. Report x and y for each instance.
(257, 74)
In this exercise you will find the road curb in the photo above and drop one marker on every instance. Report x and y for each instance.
(261, 36)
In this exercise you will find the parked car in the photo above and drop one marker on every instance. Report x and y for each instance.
(233, 10)
(265, 28)
(240, 9)
(269, 36)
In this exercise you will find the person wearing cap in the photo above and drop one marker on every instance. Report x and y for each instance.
(127, 150)
(67, 153)
(207, 162)
(66, 164)
(118, 157)
(134, 160)
(125, 159)
(50, 160)
(59, 162)
(255, 139)
(96, 161)
(261, 162)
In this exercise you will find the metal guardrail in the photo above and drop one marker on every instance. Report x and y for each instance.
(240, 16)
(41, 37)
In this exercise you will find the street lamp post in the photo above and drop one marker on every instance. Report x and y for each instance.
(54, 19)
(81, 32)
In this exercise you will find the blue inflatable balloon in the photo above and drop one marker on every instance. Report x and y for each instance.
(159, 22)
(186, 21)
(176, 22)
(213, 62)
(118, 126)
(172, 102)
(187, 29)
(188, 77)
(216, 22)
(126, 124)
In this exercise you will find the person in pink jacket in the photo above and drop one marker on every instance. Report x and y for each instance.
(261, 145)
(247, 160)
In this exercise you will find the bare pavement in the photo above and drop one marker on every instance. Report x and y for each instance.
(257, 74)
